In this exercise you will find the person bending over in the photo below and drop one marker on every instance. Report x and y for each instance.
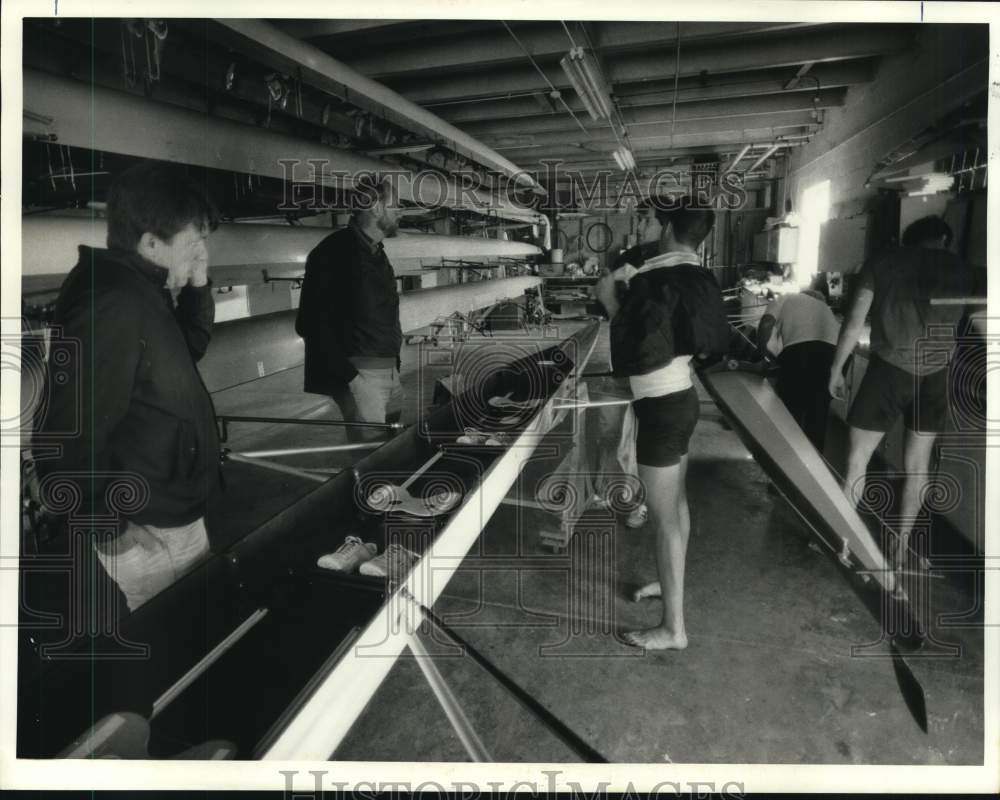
(801, 331)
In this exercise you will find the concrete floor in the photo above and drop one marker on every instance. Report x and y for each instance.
(769, 675)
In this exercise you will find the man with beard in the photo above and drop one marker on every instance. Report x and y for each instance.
(349, 314)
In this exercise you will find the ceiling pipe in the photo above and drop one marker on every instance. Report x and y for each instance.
(740, 156)
(766, 155)
(280, 50)
(717, 59)
(510, 105)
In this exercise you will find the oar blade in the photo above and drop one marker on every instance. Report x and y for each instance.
(913, 692)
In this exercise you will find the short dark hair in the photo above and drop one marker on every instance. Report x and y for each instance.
(690, 220)
(369, 188)
(925, 229)
(820, 285)
(157, 198)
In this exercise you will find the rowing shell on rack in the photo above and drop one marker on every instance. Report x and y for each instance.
(240, 254)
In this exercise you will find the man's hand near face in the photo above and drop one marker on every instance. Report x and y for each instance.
(199, 274)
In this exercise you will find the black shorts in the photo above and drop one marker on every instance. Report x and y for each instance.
(665, 425)
(887, 391)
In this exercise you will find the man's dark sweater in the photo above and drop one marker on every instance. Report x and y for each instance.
(349, 309)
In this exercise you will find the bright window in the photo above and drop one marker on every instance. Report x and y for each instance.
(814, 212)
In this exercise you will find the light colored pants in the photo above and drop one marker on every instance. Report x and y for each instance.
(376, 397)
(144, 560)
(626, 445)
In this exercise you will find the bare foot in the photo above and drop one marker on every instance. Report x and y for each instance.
(656, 639)
(649, 590)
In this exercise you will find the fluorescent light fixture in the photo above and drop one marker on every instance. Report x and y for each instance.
(569, 67)
(585, 76)
(600, 95)
(624, 159)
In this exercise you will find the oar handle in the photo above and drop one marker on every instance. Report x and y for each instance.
(594, 404)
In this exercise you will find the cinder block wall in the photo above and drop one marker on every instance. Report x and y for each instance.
(947, 65)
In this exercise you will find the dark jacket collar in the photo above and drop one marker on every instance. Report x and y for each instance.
(365, 240)
(154, 273)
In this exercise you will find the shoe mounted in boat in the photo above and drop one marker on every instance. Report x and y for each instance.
(393, 563)
(349, 556)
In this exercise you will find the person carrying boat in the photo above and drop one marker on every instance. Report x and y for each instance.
(349, 315)
(663, 314)
(147, 436)
(800, 330)
(912, 341)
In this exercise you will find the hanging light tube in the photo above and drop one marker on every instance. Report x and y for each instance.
(619, 161)
(579, 86)
(624, 158)
(599, 93)
(584, 77)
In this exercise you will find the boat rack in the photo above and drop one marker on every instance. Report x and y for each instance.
(225, 419)
(295, 280)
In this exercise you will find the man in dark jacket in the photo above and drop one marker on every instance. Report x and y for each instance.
(349, 315)
(147, 452)
(671, 311)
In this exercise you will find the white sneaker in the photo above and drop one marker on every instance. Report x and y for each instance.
(349, 555)
(395, 562)
(638, 516)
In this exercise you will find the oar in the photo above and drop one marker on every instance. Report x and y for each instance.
(591, 404)
(555, 725)
(271, 465)
(909, 686)
(297, 451)
(388, 497)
